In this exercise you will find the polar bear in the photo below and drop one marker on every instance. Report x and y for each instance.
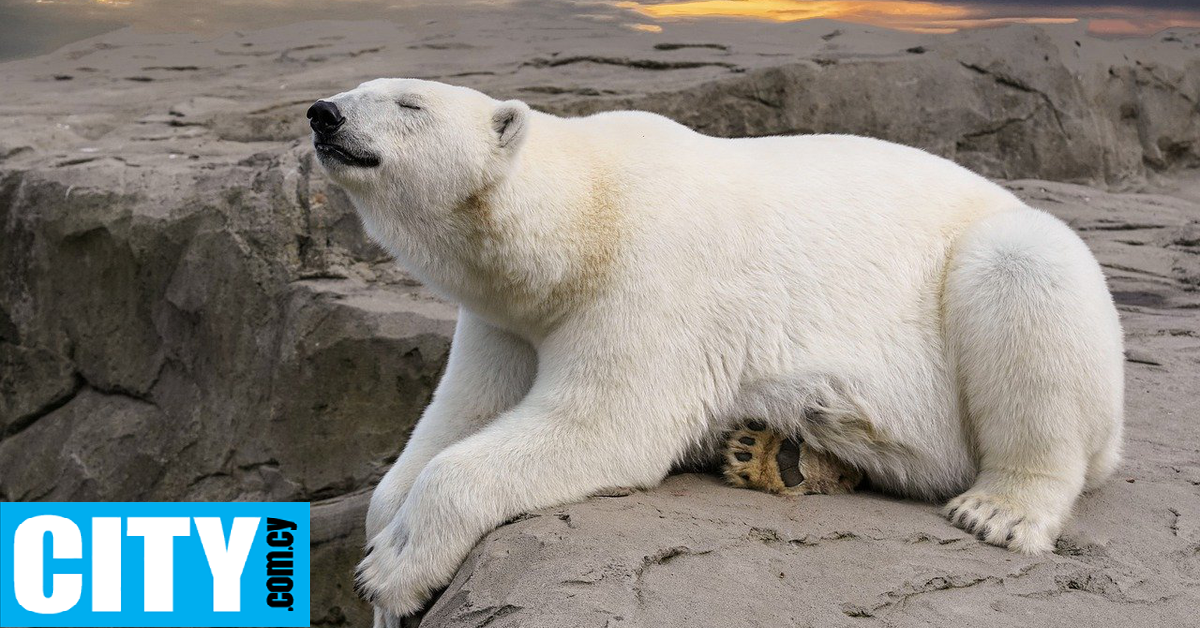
(632, 290)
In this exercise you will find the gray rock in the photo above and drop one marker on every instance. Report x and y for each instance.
(1003, 116)
(210, 295)
(337, 544)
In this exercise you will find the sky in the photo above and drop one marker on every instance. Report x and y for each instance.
(32, 27)
(1105, 17)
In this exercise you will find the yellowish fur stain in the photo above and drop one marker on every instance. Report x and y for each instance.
(590, 239)
(597, 235)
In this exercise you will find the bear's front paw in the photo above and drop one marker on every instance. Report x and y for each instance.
(765, 460)
(388, 577)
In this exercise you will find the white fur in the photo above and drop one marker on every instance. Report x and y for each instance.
(631, 289)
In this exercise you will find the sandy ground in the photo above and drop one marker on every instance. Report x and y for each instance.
(189, 311)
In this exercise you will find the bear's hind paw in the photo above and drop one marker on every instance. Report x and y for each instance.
(762, 459)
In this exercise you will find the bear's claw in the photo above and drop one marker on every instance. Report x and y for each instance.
(1002, 522)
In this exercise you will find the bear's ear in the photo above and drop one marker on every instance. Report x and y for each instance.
(509, 121)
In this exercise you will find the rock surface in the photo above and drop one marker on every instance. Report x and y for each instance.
(189, 311)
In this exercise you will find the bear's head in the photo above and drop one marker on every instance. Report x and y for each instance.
(416, 145)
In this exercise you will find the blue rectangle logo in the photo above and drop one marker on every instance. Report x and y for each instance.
(154, 564)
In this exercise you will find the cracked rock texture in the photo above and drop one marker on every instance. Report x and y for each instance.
(189, 311)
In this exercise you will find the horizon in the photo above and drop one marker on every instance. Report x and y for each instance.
(34, 27)
(1104, 18)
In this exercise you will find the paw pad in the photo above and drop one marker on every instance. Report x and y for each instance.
(765, 460)
(752, 460)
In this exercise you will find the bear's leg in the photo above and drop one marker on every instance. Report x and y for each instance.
(599, 415)
(488, 372)
(762, 459)
(1039, 355)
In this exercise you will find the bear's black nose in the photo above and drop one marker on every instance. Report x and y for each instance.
(324, 117)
